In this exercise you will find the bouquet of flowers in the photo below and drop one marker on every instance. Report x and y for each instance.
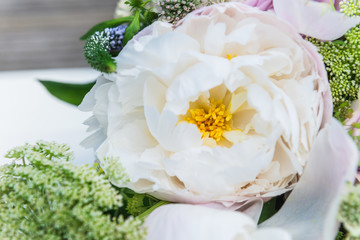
(210, 120)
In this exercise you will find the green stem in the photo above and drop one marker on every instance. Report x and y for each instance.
(146, 2)
(150, 210)
(332, 5)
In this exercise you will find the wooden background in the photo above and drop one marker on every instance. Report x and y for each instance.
(38, 34)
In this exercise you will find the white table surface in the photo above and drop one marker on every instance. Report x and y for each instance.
(29, 113)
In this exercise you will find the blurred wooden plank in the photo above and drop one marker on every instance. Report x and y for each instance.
(45, 33)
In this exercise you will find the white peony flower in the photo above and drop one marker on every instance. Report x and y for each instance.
(223, 107)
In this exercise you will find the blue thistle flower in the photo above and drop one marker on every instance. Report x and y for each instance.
(115, 36)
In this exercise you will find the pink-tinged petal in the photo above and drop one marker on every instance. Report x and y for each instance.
(194, 222)
(263, 5)
(315, 19)
(336, 3)
(311, 209)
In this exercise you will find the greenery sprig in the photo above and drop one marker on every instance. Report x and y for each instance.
(174, 10)
(46, 197)
(349, 212)
(97, 54)
(342, 61)
(350, 7)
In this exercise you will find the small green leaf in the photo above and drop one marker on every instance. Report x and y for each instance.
(132, 29)
(152, 208)
(107, 24)
(268, 210)
(149, 18)
(135, 3)
(68, 92)
(338, 42)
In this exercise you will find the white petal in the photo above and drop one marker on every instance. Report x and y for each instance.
(311, 209)
(214, 39)
(194, 222)
(203, 76)
(89, 100)
(260, 99)
(171, 135)
(220, 171)
(314, 19)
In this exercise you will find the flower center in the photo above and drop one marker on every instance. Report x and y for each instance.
(211, 121)
(229, 56)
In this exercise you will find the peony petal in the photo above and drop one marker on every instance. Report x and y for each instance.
(89, 100)
(263, 5)
(172, 136)
(315, 19)
(194, 222)
(214, 39)
(311, 209)
(219, 167)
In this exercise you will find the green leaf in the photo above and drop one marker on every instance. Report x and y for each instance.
(150, 210)
(338, 42)
(68, 92)
(268, 210)
(132, 29)
(107, 24)
(135, 3)
(149, 18)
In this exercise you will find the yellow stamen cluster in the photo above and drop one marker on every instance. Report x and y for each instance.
(212, 122)
(229, 56)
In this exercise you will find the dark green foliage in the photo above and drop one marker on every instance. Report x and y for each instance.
(132, 29)
(271, 207)
(70, 93)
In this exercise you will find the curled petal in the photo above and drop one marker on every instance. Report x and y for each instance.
(315, 19)
(311, 209)
(182, 221)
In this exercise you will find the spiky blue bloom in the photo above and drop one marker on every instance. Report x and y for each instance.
(115, 36)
